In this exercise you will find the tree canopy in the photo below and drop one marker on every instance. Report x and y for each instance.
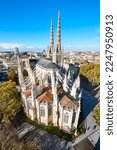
(9, 101)
(92, 72)
(11, 74)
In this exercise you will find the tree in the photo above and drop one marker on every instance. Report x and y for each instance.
(9, 101)
(11, 74)
(91, 72)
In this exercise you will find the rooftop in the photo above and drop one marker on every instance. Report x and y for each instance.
(46, 97)
(27, 93)
(68, 102)
(47, 64)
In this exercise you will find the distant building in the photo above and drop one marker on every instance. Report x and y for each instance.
(50, 93)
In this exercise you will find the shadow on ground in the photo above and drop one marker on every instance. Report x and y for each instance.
(88, 103)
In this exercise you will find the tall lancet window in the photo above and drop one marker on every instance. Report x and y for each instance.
(66, 118)
(42, 112)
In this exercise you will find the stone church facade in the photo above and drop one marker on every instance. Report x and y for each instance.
(50, 93)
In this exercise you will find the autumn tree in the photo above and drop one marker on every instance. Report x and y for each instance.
(11, 74)
(91, 72)
(9, 101)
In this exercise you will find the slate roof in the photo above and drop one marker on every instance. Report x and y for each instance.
(47, 64)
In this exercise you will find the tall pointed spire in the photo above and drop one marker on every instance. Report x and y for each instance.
(58, 56)
(58, 36)
(51, 37)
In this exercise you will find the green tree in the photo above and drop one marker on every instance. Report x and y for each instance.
(91, 72)
(11, 74)
(9, 101)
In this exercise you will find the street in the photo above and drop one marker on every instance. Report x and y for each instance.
(90, 139)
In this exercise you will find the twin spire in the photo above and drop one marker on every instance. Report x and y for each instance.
(58, 36)
(51, 36)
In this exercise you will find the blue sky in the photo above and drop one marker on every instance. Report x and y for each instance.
(27, 22)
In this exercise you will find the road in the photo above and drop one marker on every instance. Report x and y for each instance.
(88, 104)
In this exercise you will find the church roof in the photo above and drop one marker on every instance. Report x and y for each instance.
(59, 90)
(47, 64)
(46, 96)
(36, 84)
(27, 93)
(68, 102)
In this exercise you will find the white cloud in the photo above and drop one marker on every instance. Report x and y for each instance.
(10, 45)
